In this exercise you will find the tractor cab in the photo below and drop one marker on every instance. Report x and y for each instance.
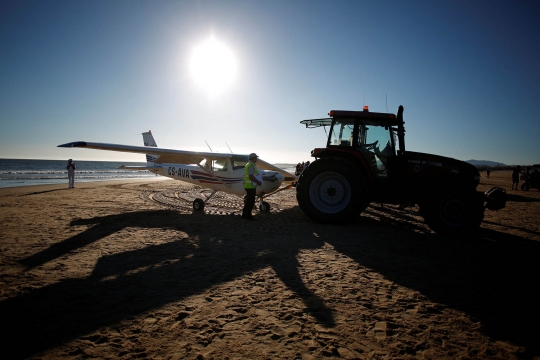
(374, 135)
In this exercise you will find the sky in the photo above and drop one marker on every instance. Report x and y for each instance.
(466, 72)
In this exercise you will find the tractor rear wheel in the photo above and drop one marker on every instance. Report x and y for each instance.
(332, 190)
(453, 212)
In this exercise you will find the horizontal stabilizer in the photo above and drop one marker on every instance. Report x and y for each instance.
(270, 178)
(263, 165)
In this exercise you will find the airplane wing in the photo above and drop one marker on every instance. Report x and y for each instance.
(165, 155)
(175, 156)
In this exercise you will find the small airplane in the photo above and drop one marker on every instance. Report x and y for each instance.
(216, 171)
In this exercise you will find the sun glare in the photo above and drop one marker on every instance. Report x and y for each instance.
(213, 66)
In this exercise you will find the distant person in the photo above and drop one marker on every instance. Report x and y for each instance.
(488, 171)
(71, 173)
(298, 172)
(515, 177)
(527, 175)
(250, 185)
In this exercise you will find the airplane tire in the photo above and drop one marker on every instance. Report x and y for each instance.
(332, 190)
(264, 206)
(198, 204)
(454, 212)
(525, 187)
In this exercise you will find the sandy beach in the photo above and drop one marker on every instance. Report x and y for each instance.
(126, 269)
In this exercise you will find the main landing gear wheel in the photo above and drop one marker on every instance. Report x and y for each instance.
(525, 187)
(264, 206)
(198, 204)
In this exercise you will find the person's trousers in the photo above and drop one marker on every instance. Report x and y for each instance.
(250, 201)
(71, 179)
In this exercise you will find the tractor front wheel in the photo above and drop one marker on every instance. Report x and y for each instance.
(332, 190)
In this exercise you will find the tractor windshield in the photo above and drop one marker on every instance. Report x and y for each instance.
(342, 133)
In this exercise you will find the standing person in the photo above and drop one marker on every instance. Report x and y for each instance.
(71, 173)
(527, 175)
(488, 171)
(515, 177)
(250, 185)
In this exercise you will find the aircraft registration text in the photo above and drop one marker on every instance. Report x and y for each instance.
(178, 172)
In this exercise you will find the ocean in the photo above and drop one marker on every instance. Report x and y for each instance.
(27, 172)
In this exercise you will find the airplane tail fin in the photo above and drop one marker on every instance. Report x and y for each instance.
(149, 141)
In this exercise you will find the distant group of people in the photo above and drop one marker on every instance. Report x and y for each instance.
(530, 176)
(300, 167)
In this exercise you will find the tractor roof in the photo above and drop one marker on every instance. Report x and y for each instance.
(369, 117)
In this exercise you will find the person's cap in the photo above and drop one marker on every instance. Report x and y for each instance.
(253, 155)
(70, 160)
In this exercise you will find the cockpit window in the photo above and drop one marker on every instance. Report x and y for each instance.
(219, 165)
(239, 161)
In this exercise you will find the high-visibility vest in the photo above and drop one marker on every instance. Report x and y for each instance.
(247, 180)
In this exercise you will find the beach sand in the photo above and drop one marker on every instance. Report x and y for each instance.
(126, 270)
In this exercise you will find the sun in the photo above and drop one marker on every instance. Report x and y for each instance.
(213, 66)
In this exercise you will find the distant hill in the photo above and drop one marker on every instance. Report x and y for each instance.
(484, 163)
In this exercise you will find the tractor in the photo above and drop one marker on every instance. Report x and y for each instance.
(365, 161)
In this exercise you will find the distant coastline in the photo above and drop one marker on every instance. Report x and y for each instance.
(29, 172)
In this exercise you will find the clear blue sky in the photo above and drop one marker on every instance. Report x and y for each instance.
(466, 72)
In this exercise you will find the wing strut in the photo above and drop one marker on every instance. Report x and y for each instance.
(209, 196)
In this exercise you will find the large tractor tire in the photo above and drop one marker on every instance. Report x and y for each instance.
(454, 212)
(332, 190)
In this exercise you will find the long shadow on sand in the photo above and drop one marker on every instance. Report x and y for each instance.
(133, 282)
(491, 277)
(520, 198)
